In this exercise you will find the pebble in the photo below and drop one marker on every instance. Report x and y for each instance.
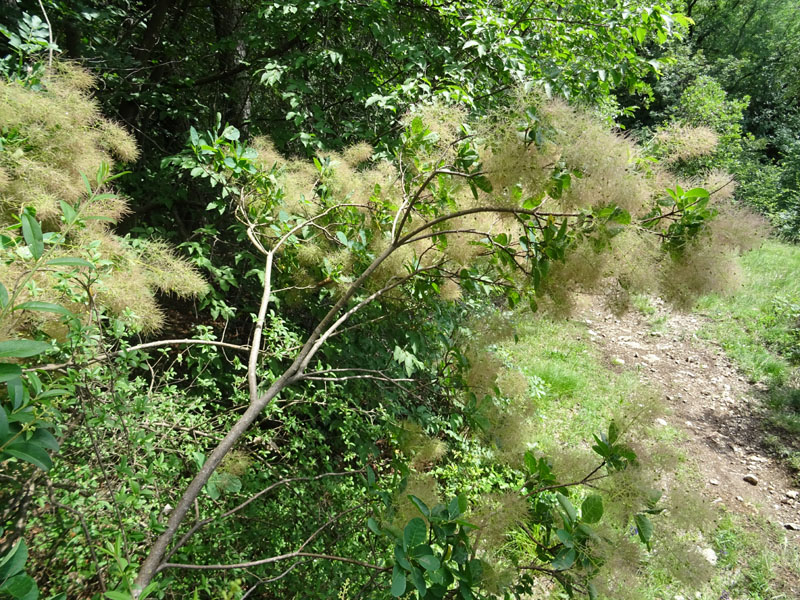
(713, 481)
(663, 423)
(792, 526)
(792, 494)
(709, 555)
(751, 479)
(618, 361)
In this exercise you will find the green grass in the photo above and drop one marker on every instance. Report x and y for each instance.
(583, 392)
(756, 326)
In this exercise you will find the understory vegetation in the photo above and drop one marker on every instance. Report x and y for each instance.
(285, 287)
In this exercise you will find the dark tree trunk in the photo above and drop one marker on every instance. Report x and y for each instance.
(231, 56)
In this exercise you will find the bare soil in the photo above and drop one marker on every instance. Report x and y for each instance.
(710, 401)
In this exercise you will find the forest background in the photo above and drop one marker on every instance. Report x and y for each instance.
(263, 264)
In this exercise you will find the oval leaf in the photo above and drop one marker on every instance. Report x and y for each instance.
(398, 582)
(644, 528)
(414, 533)
(22, 348)
(592, 509)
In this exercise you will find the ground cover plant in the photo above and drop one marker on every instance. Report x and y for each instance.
(279, 357)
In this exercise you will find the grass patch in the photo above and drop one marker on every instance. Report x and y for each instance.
(756, 561)
(581, 394)
(758, 325)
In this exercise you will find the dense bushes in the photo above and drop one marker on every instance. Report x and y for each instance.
(337, 415)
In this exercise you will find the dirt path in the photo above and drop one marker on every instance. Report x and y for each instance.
(709, 401)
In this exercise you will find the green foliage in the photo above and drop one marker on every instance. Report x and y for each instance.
(371, 391)
(27, 44)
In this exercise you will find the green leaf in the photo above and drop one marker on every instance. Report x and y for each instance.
(697, 193)
(398, 582)
(421, 506)
(32, 232)
(373, 526)
(14, 561)
(613, 432)
(400, 558)
(370, 477)
(44, 438)
(3, 296)
(118, 596)
(564, 559)
(4, 430)
(419, 582)
(231, 133)
(69, 261)
(454, 508)
(429, 562)
(43, 307)
(567, 506)
(22, 348)
(21, 587)
(531, 463)
(415, 533)
(9, 372)
(69, 211)
(593, 595)
(30, 452)
(565, 537)
(592, 509)
(644, 527)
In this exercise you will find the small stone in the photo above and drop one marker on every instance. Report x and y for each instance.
(651, 358)
(792, 494)
(592, 332)
(713, 481)
(751, 479)
(792, 526)
(661, 422)
(740, 499)
(709, 555)
(618, 361)
(689, 424)
(716, 501)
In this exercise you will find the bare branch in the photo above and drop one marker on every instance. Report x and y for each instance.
(272, 559)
